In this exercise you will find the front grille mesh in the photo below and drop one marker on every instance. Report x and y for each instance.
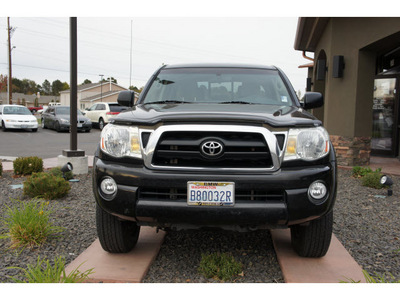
(241, 150)
(180, 195)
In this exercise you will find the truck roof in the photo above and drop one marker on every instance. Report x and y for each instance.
(219, 65)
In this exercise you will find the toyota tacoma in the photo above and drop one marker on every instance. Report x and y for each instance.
(220, 146)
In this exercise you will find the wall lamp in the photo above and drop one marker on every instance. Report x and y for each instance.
(387, 181)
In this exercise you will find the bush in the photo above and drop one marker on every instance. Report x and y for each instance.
(28, 224)
(57, 172)
(361, 171)
(47, 186)
(28, 165)
(1, 169)
(43, 272)
(220, 266)
(372, 180)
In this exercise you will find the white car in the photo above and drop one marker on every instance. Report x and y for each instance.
(100, 113)
(17, 117)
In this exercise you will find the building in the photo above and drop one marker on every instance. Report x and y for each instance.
(91, 93)
(356, 66)
(28, 100)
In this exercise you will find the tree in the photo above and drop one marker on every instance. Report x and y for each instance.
(25, 86)
(137, 90)
(58, 86)
(3, 83)
(108, 79)
(86, 81)
(46, 87)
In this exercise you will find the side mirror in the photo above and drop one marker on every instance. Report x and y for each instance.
(126, 98)
(312, 100)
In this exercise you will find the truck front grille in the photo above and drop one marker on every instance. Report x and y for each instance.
(180, 195)
(185, 149)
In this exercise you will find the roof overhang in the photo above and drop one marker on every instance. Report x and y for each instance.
(309, 31)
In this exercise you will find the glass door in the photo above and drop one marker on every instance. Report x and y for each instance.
(385, 117)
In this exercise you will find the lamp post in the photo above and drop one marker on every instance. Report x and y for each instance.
(101, 88)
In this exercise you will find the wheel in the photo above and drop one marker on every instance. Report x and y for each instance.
(43, 126)
(57, 127)
(115, 235)
(101, 123)
(33, 111)
(3, 126)
(313, 240)
(34, 129)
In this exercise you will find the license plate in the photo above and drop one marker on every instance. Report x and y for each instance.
(79, 125)
(211, 193)
(24, 126)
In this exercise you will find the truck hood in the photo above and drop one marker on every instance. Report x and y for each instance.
(276, 116)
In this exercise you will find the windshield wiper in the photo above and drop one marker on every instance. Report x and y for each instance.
(167, 101)
(235, 102)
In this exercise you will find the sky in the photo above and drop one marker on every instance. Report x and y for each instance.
(156, 32)
(104, 46)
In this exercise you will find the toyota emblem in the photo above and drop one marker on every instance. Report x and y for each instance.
(212, 148)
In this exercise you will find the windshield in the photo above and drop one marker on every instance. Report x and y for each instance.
(16, 110)
(65, 111)
(219, 85)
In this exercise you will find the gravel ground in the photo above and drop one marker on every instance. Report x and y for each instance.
(75, 212)
(368, 227)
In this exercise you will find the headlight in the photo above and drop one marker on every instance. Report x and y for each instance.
(119, 141)
(65, 121)
(11, 121)
(307, 144)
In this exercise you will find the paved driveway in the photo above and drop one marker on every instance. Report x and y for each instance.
(44, 143)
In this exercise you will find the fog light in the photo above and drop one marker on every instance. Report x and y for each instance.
(317, 190)
(108, 187)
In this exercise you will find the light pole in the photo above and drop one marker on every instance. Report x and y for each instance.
(101, 88)
(10, 31)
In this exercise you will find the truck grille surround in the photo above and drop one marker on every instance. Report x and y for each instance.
(212, 150)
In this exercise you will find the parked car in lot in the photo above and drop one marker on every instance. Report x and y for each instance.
(35, 109)
(58, 118)
(17, 117)
(100, 113)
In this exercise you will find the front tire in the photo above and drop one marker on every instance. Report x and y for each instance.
(115, 235)
(3, 126)
(57, 127)
(101, 123)
(313, 240)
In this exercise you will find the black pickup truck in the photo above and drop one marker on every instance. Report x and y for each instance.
(219, 146)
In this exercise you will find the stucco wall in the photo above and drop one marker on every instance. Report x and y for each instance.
(348, 100)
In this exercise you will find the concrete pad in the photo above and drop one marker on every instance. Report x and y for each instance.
(337, 265)
(127, 267)
(80, 163)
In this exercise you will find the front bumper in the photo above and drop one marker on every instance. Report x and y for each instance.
(84, 127)
(21, 125)
(169, 210)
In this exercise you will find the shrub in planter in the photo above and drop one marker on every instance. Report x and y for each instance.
(57, 172)
(372, 180)
(28, 165)
(220, 266)
(47, 186)
(28, 224)
(44, 272)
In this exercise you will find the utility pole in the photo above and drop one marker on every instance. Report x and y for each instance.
(10, 31)
(130, 62)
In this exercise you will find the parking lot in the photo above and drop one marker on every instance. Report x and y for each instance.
(44, 143)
